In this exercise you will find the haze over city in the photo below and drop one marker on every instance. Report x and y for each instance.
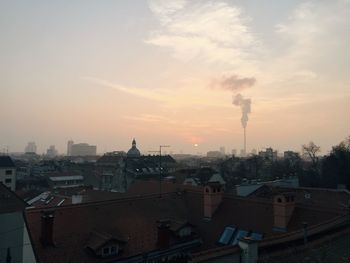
(104, 72)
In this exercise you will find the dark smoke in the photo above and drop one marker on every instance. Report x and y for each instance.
(239, 100)
(234, 83)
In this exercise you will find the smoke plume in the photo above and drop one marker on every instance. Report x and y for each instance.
(233, 83)
(239, 100)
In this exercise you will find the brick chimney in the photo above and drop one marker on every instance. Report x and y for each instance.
(47, 220)
(213, 193)
(163, 240)
(283, 207)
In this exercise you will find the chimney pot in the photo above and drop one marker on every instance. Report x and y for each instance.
(212, 198)
(283, 207)
(163, 240)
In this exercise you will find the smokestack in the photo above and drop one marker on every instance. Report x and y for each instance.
(239, 100)
(245, 142)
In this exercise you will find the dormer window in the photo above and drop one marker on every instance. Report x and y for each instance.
(181, 229)
(110, 250)
(185, 231)
(104, 244)
(114, 250)
(105, 251)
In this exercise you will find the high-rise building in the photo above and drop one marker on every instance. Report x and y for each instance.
(234, 152)
(51, 152)
(222, 150)
(268, 154)
(30, 148)
(82, 149)
(69, 147)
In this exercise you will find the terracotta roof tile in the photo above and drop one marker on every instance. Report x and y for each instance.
(135, 219)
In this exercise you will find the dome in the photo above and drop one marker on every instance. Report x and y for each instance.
(133, 152)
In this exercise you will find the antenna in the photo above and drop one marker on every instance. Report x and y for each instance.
(160, 167)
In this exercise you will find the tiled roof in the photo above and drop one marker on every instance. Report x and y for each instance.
(6, 162)
(9, 201)
(315, 197)
(135, 219)
(98, 239)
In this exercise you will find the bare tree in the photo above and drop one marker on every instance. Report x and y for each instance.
(311, 150)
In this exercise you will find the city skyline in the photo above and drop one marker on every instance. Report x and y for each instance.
(168, 72)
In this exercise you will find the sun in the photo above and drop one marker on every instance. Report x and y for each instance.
(195, 145)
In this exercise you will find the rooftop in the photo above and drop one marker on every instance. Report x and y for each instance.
(9, 201)
(134, 219)
(65, 178)
(6, 162)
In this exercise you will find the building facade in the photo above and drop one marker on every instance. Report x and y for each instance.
(8, 172)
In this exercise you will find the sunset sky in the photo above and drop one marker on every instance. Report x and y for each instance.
(166, 72)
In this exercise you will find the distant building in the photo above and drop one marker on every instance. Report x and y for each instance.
(234, 152)
(8, 172)
(242, 153)
(110, 172)
(51, 152)
(214, 154)
(254, 152)
(290, 155)
(268, 154)
(222, 150)
(82, 149)
(30, 148)
(69, 147)
(133, 151)
(66, 181)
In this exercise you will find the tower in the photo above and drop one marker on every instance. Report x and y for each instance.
(69, 147)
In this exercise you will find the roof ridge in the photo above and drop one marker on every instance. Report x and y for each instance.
(107, 202)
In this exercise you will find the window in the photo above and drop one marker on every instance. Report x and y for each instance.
(8, 172)
(184, 232)
(307, 195)
(8, 180)
(114, 250)
(105, 251)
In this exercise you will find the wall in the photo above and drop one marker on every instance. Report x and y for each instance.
(3, 177)
(14, 235)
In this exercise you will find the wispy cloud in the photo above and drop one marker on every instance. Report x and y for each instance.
(156, 94)
(182, 97)
(314, 34)
(213, 31)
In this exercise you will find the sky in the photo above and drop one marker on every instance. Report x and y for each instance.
(170, 72)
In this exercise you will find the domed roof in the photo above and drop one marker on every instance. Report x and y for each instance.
(133, 152)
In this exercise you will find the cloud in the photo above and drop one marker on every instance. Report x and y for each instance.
(315, 33)
(233, 83)
(182, 97)
(212, 31)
